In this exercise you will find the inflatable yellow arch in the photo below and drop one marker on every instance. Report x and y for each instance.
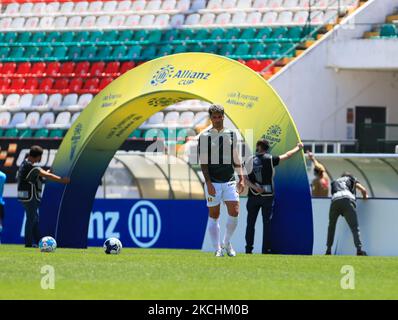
(102, 127)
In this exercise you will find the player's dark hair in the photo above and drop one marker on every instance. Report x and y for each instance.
(263, 144)
(347, 174)
(216, 108)
(35, 151)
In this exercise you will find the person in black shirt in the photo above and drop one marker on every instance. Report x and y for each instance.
(260, 179)
(30, 179)
(344, 203)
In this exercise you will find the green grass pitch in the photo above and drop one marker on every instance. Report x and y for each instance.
(191, 274)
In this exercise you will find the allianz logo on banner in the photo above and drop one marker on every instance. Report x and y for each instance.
(144, 224)
(186, 76)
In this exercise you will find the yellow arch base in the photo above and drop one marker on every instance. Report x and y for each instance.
(128, 101)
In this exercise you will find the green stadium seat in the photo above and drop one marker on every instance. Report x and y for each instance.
(95, 36)
(110, 36)
(309, 31)
(264, 33)
(140, 35)
(118, 53)
(41, 133)
(165, 50)
(38, 37)
(202, 34)
(46, 52)
(26, 133)
(148, 53)
(217, 34)
(60, 52)
(103, 53)
(388, 31)
(232, 33)
(75, 52)
(170, 35)
(154, 36)
(136, 134)
(17, 53)
(242, 50)
(134, 52)
(273, 50)
(56, 134)
(81, 36)
(66, 37)
(257, 49)
(197, 47)
(88, 52)
(279, 33)
(52, 37)
(4, 52)
(10, 37)
(226, 50)
(125, 35)
(295, 34)
(211, 48)
(2, 37)
(287, 50)
(11, 133)
(180, 48)
(31, 52)
(186, 34)
(248, 33)
(24, 37)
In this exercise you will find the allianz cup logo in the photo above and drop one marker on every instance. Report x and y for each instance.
(273, 135)
(144, 224)
(162, 75)
(75, 140)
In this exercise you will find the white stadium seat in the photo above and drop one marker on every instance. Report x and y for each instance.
(330, 17)
(186, 119)
(254, 18)
(12, 102)
(46, 22)
(132, 20)
(198, 5)
(31, 120)
(270, 17)
(304, 4)
(223, 19)
(183, 5)
(84, 100)
(1, 100)
(20, 23)
(54, 101)
(123, 6)
(17, 118)
(285, 17)
(110, 7)
(154, 121)
(60, 22)
(317, 17)
(69, 100)
(80, 7)
(207, 19)
(117, 21)
(147, 20)
(67, 7)
(46, 119)
(214, 4)
(229, 4)
(200, 118)
(74, 117)
(44, 8)
(74, 22)
(162, 20)
(169, 5)
(5, 118)
(239, 18)
(290, 4)
(40, 102)
(5, 23)
(12, 9)
(275, 4)
(322, 3)
(192, 19)
(138, 5)
(153, 5)
(25, 103)
(300, 17)
(95, 6)
(88, 22)
(244, 4)
(177, 20)
(103, 21)
(171, 118)
(26, 8)
(62, 121)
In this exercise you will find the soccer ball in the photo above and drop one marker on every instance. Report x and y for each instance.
(47, 244)
(112, 246)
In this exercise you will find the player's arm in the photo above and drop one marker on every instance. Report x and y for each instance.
(203, 160)
(238, 168)
(316, 163)
(52, 177)
(290, 153)
(363, 190)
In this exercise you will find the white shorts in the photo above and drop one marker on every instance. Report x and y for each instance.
(224, 192)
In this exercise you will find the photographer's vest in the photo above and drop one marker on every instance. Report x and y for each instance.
(29, 182)
(344, 187)
(263, 173)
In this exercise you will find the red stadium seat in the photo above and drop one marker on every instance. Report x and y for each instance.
(38, 69)
(91, 86)
(31, 85)
(126, 66)
(97, 68)
(82, 68)
(104, 82)
(67, 69)
(4, 84)
(17, 85)
(61, 85)
(52, 69)
(9, 68)
(254, 64)
(23, 69)
(46, 85)
(112, 69)
(75, 85)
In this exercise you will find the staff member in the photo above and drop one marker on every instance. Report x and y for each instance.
(261, 191)
(320, 184)
(30, 179)
(344, 203)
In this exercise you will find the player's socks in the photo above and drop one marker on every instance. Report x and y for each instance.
(232, 222)
(214, 231)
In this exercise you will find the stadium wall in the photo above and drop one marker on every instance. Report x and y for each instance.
(309, 86)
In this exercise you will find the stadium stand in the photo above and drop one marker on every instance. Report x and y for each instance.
(388, 30)
(56, 55)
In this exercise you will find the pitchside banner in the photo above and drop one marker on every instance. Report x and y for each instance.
(177, 224)
(249, 101)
